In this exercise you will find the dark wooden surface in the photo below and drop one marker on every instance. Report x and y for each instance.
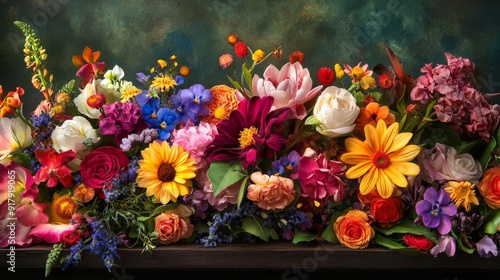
(281, 260)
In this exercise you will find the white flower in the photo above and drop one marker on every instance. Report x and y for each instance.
(14, 134)
(89, 90)
(112, 78)
(335, 112)
(72, 134)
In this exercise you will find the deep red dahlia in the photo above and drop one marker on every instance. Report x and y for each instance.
(252, 132)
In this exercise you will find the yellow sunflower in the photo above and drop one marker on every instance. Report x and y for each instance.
(383, 158)
(165, 171)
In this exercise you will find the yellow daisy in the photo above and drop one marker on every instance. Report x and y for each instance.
(163, 83)
(165, 171)
(382, 159)
(462, 194)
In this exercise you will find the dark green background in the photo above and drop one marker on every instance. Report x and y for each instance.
(134, 34)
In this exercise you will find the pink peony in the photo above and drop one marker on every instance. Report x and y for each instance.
(320, 178)
(291, 87)
(442, 163)
(195, 139)
(271, 192)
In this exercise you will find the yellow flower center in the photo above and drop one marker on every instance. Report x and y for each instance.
(153, 115)
(220, 113)
(163, 125)
(65, 207)
(166, 172)
(357, 72)
(380, 160)
(246, 137)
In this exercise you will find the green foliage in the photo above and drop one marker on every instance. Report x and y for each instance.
(254, 227)
(303, 236)
(242, 191)
(223, 174)
(329, 234)
(492, 223)
(407, 226)
(387, 242)
(68, 87)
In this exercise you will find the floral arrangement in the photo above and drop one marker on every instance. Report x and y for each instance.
(379, 159)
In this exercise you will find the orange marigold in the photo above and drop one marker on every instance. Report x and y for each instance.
(223, 102)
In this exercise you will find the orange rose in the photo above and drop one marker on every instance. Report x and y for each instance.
(489, 187)
(271, 192)
(353, 230)
(173, 225)
(224, 101)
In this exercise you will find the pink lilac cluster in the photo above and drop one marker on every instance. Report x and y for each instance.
(121, 120)
(459, 104)
(146, 136)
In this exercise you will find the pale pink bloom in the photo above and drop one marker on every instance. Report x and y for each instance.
(224, 198)
(43, 107)
(225, 60)
(271, 192)
(291, 87)
(195, 139)
(445, 244)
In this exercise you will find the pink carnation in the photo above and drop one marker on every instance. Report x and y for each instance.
(320, 178)
(195, 139)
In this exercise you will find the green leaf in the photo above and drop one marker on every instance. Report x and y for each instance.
(437, 133)
(143, 218)
(235, 84)
(471, 147)
(241, 192)
(402, 104)
(303, 236)
(461, 246)
(386, 242)
(486, 156)
(163, 208)
(68, 87)
(408, 226)
(492, 223)
(247, 75)
(312, 120)
(252, 226)
(223, 174)
(329, 234)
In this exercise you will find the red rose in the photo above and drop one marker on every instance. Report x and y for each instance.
(387, 211)
(100, 167)
(241, 49)
(418, 242)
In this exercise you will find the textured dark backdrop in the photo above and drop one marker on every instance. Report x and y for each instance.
(135, 33)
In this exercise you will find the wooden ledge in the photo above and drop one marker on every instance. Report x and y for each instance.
(269, 256)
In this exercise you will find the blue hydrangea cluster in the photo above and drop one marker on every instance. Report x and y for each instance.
(219, 228)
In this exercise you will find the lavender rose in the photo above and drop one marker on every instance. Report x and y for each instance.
(442, 163)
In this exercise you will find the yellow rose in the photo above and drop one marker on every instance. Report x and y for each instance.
(353, 230)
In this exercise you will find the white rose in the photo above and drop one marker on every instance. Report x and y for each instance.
(72, 134)
(89, 90)
(335, 112)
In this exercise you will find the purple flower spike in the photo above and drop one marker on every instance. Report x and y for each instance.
(436, 209)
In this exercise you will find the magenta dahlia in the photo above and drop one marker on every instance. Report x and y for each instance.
(252, 132)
